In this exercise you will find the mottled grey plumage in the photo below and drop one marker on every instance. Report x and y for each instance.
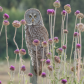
(35, 29)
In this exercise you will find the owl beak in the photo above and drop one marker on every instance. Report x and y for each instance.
(32, 20)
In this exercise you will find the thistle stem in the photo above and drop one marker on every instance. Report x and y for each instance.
(6, 46)
(1, 29)
(14, 38)
(22, 36)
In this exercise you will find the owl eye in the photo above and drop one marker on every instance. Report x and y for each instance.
(30, 16)
(35, 16)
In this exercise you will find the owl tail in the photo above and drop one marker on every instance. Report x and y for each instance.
(39, 69)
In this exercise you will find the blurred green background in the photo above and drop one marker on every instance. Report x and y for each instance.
(16, 10)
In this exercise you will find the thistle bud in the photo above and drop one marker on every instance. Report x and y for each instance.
(12, 68)
(49, 55)
(77, 12)
(59, 50)
(78, 46)
(30, 75)
(50, 41)
(48, 61)
(16, 51)
(1, 9)
(22, 51)
(57, 59)
(80, 15)
(5, 16)
(36, 42)
(56, 4)
(6, 22)
(56, 40)
(23, 22)
(43, 74)
(64, 81)
(44, 44)
(64, 47)
(50, 67)
(23, 68)
(50, 11)
(63, 13)
(65, 31)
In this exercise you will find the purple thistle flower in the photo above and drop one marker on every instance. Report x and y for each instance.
(30, 75)
(49, 55)
(0, 82)
(50, 41)
(64, 81)
(59, 50)
(12, 68)
(44, 44)
(64, 47)
(50, 11)
(16, 51)
(1, 9)
(22, 51)
(76, 34)
(77, 12)
(56, 40)
(57, 59)
(65, 31)
(5, 16)
(36, 42)
(6, 22)
(56, 4)
(43, 74)
(78, 46)
(23, 22)
(63, 13)
(16, 24)
(48, 61)
(23, 68)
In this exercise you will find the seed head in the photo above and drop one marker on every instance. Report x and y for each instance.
(16, 51)
(57, 4)
(16, 24)
(50, 41)
(23, 22)
(80, 15)
(36, 42)
(23, 68)
(77, 12)
(6, 22)
(22, 51)
(44, 44)
(63, 13)
(57, 59)
(56, 40)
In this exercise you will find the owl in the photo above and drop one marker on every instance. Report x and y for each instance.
(35, 29)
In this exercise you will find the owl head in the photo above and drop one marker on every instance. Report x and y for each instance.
(33, 17)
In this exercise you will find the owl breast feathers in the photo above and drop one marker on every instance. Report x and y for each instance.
(32, 32)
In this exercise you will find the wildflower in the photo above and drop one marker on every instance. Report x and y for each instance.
(16, 24)
(36, 42)
(57, 59)
(77, 12)
(49, 55)
(76, 34)
(48, 61)
(50, 67)
(30, 75)
(64, 47)
(23, 22)
(0, 82)
(16, 51)
(6, 22)
(56, 4)
(50, 11)
(78, 46)
(5, 16)
(64, 81)
(1, 9)
(50, 41)
(43, 74)
(80, 27)
(23, 68)
(22, 51)
(56, 40)
(59, 50)
(65, 31)
(44, 44)
(80, 15)
(12, 68)
(63, 13)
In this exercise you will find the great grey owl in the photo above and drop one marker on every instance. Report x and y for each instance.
(35, 29)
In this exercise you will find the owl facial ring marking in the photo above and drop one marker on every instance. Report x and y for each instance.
(33, 17)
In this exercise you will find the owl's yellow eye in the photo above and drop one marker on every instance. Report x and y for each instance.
(30, 16)
(35, 16)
